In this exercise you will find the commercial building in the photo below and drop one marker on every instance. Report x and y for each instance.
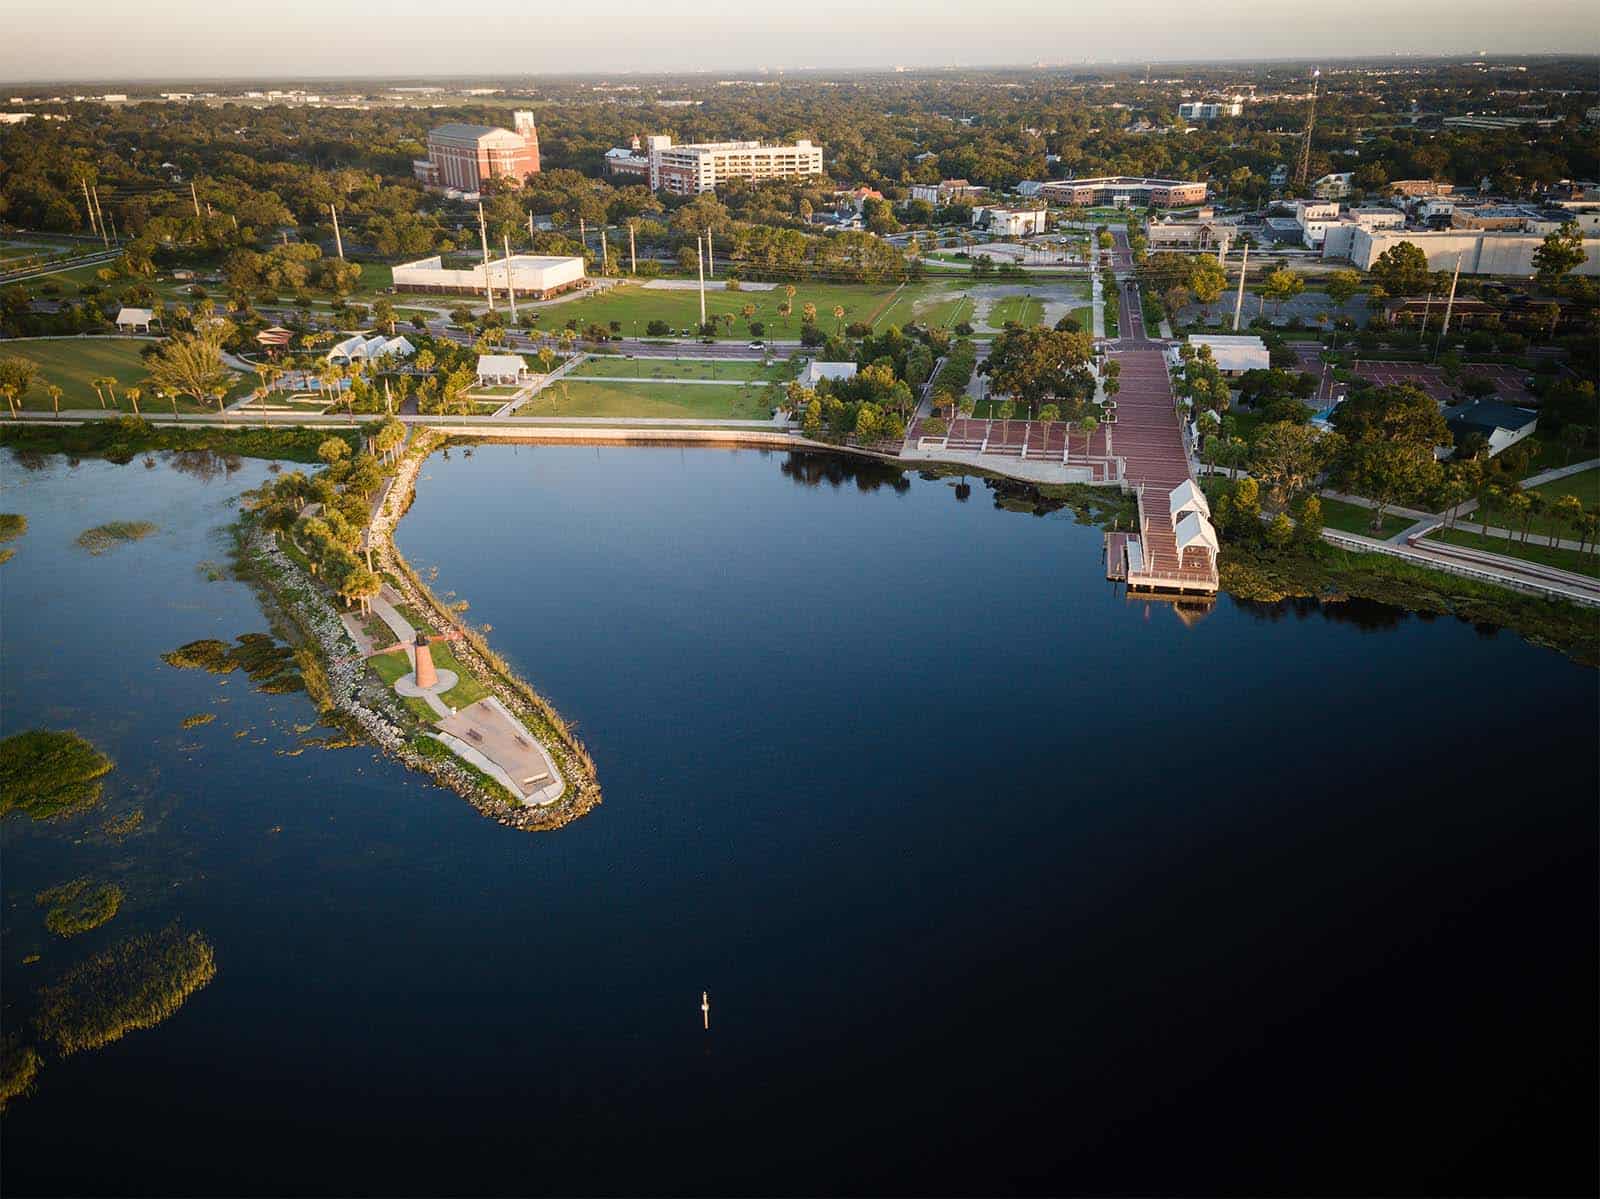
(1481, 252)
(464, 157)
(1335, 186)
(1210, 110)
(1198, 235)
(1417, 188)
(535, 276)
(1339, 236)
(696, 167)
(1124, 191)
(947, 192)
(1313, 219)
(1010, 222)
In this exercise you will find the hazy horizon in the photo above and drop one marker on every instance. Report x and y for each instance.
(187, 40)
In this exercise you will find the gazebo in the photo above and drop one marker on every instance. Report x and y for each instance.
(134, 320)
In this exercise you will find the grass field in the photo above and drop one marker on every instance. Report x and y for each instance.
(681, 368)
(1353, 518)
(1583, 564)
(635, 307)
(1085, 317)
(70, 363)
(1025, 310)
(651, 399)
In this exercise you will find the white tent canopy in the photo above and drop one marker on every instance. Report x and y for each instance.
(134, 318)
(361, 348)
(501, 367)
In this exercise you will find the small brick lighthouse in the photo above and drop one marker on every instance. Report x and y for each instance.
(426, 675)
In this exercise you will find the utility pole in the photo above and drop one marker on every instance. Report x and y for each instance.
(1238, 303)
(583, 234)
(338, 241)
(711, 256)
(89, 206)
(1303, 173)
(511, 295)
(530, 227)
(193, 196)
(100, 215)
(1448, 306)
(483, 237)
(633, 255)
(700, 262)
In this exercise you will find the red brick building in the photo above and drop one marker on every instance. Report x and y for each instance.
(464, 156)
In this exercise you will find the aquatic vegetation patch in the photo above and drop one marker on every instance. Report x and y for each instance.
(12, 525)
(271, 667)
(199, 718)
(137, 983)
(118, 532)
(19, 1068)
(119, 827)
(46, 773)
(214, 572)
(78, 906)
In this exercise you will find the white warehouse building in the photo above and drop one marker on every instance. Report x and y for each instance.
(535, 276)
(1481, 251)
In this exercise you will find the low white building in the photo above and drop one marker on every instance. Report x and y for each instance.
(1010, 222)
(1313, 218)
(1234, 353)
(535, 276)
(816, 371)
(134, 320)
(501, 370)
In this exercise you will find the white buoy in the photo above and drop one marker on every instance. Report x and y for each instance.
(705, 1009)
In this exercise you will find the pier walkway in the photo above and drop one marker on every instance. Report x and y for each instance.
(1176, 549)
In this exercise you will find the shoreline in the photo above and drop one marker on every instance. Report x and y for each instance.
(339, 681)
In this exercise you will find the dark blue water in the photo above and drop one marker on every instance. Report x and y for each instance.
(998, 881)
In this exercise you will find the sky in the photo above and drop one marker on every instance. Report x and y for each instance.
(217, 39)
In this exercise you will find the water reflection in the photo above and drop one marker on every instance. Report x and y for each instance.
(813, 470)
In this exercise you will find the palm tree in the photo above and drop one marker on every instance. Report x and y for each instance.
(808, 314)
(784, 310)
(54, 392)
(788, 293)
(1536, 507)
(133, 394)
(838, 317)
(96, 384)
(10, 394)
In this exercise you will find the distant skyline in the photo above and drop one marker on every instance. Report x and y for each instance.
(193, 40)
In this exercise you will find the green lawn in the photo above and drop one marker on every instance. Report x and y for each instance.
(681, 368)
(636, 306)
(1583, 564)
(467, 689)
(392, 667)
(651, 399)
(1353, 518)
(1085, 317)
(1025, 310)
(1586, 486)
(70, 363)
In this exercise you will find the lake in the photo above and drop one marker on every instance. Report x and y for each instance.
(997, 880)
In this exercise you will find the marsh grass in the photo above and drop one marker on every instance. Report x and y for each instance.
(271, 667)
(199, 718)
(122, 826)
(19, 1068)
(118, 532)
(78, 906)
(48, 773)
(137, 983)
